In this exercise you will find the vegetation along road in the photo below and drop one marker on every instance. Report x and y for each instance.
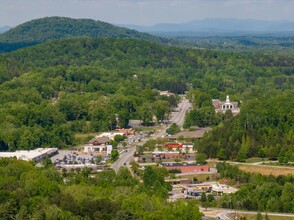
(178, 117)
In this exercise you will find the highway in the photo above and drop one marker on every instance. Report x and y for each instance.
(178, 117)
(124, 158)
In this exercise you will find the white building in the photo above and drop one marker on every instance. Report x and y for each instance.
(110, 135)
(99, 145)
(101, 149)
(227, 105)
(188, 147)
(30, 155)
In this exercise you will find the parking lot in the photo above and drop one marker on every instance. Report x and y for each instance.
(67, 157)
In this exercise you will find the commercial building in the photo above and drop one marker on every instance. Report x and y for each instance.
(186, 168)
(184, 147)
(169, 155)
(98, 145)
(30, 155)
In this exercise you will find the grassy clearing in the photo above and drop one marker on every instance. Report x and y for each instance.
(271, 217)
(255, 160)
(81, 138)
(267, 170)
(82, 135)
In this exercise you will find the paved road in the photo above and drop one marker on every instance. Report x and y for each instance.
(177, 117)
(124, 159)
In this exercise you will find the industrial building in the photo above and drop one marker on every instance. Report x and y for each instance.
(30, 155)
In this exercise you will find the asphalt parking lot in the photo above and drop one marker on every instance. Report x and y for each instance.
(67, 157)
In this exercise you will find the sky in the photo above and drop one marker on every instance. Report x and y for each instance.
(145, 12)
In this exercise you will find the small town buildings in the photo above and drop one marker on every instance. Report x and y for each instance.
(122, 132)
(188, 147)
(125, 131)
(30, 155)
(109, 135)
(183, 147)
(173, 146)
(169, 155)
(227, 105)
(186, 168)
(178, 181)
(220, 189)
(98, 145)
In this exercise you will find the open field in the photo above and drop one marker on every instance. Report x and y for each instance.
(267, 170)
(271, 217)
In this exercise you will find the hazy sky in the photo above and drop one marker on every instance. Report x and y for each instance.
(144, 12)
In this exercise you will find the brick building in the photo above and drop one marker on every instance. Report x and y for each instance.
(186, 168)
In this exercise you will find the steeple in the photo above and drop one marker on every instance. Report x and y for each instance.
(228, 98)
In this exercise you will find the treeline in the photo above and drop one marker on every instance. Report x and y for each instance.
(28, 192)
(281, 44)
(264, 128)
(51, 91)
(258, 192)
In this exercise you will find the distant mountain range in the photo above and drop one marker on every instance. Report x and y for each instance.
(3, 29)
(43, 29)
(218, 26)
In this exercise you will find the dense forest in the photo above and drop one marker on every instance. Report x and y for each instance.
(28, 192)
(246, 43)
(264, 128)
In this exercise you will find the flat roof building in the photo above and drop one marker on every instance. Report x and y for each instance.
(30, 155)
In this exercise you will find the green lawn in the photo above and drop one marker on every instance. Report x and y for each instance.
(255, 160)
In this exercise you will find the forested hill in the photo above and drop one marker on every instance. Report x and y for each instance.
(43, 29)
(53, 90)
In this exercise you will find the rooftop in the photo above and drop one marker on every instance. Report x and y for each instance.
(180, 164)
(29, 154)
(99, 140)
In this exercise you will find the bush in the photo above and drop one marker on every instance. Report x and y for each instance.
(175, 171)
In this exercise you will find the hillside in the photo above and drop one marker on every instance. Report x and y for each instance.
(53, 90)
(43, 29)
